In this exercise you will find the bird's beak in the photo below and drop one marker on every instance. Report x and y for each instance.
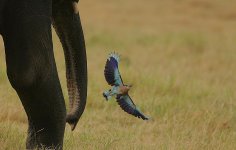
(130, 85)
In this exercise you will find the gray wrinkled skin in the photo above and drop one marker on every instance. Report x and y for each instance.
(25, 26)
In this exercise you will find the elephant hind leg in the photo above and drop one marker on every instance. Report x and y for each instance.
(32, 72)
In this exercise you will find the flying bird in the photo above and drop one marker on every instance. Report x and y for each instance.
(119, 89)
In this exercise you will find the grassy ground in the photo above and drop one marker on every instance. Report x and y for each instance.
(180, 57)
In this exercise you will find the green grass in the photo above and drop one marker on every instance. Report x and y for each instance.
(180, 57)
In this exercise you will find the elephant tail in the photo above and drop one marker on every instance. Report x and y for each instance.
(67, 24)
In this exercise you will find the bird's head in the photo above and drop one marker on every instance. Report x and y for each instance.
(128, 86)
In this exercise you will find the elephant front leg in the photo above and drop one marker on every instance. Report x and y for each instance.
(32, 71)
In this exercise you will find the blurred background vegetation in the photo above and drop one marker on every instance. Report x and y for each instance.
(180, 57)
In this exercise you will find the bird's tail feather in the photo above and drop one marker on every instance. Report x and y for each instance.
(106, 95)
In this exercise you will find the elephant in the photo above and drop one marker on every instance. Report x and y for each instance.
(25, 26)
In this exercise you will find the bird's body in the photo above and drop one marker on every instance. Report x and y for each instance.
(113, 78)
(116, 90)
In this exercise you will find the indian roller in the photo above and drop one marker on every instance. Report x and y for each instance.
(119, 89)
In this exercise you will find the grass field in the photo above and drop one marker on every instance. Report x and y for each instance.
(179, 55)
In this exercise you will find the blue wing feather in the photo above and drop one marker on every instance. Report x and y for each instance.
(111, 72)
(128, 106)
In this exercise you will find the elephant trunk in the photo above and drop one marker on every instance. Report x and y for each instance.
(66, 21)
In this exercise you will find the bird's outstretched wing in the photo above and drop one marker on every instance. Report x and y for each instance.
(111, 71)
(128, 106)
